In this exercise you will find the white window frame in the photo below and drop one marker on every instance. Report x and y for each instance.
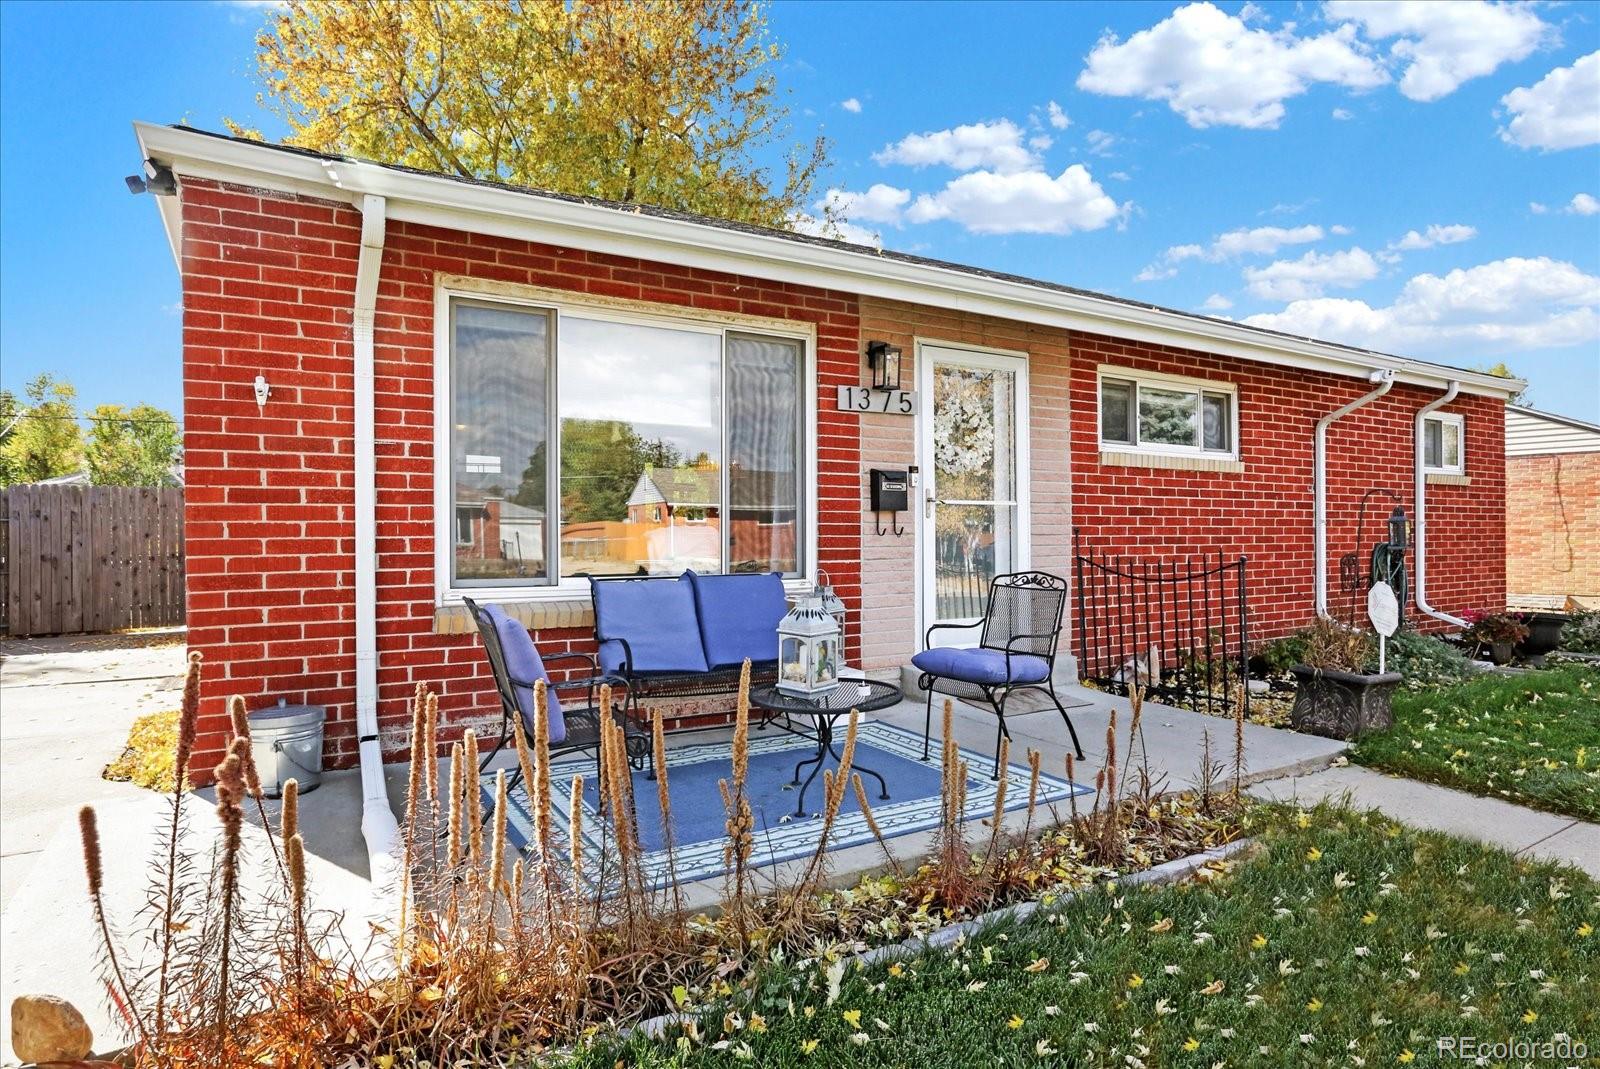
(1163, 381)
(1459, 422)
(559, 304)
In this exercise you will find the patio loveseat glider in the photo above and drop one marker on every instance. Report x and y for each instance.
(1016, 651)
(686, 636)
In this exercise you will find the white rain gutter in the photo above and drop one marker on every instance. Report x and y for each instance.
(1419, 519)
(378, 825)
(1319, 483)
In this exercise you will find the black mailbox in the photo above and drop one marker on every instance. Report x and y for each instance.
(889, 490)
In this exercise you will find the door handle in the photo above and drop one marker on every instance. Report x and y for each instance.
(928, 501)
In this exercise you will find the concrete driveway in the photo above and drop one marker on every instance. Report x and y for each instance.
(65, 707)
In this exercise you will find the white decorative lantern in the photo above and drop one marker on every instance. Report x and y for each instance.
(832, 603)
(808, 649)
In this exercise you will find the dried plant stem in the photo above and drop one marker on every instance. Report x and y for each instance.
(540, 788)
(1033, 792)
(872, 822)
(1072, 794)
(575, 833)
(497, 843)
(188, 720)
(473, 791)
(1238, 744)
(658, 757)
(295, 854)
(998, 815)
(89, 832)
(419, 732)
(252, 777)
(230, 811)
(457, 814)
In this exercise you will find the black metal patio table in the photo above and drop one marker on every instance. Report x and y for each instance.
(824, 711)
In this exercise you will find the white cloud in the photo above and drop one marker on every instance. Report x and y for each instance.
(839, 229)
(1536, 208)
(1121, 176)
(1343, 114)
(1040, 142)
(851, 105)
(1217, 303)
(1503, 306)
(1100, 142)
(1434, 235)
(987, 202)
(1216, 70)
(1445, 44)
(1583, 204)
(881, 203)
(1245, 241)
(995, 146)
(1561, 110)
(1058, 117)
(1307, 277)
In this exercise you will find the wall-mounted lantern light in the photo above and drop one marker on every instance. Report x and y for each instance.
(884, 361)
(1397, 528)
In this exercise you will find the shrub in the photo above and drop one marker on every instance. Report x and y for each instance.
(1581, 634)
(1488, 628)
(1426, 661)
(1332, 646)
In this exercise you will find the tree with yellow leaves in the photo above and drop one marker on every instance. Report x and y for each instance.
(668, 104)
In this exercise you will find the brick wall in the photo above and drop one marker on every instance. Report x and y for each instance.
(1553, 526)
(268, 281)
(891, 632)
(1265, 511)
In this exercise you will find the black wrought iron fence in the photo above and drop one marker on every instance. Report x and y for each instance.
(1177, 625)
(962, 573)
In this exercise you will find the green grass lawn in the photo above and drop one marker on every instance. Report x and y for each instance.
(1348, 941)
(1531, 738)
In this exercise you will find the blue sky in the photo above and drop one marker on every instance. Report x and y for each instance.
(1421, 179)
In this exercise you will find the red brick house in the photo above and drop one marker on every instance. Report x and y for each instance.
(441, 355)
(1552, 510)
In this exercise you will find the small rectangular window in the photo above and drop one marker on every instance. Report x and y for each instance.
(1116, 411)
(1169, 415)
(1441, 444)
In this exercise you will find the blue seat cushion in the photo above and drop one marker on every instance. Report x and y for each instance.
(739, 616)
(656, 617)
(525, 666)
(982, 666)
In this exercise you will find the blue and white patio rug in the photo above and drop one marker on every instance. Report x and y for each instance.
(698, 815)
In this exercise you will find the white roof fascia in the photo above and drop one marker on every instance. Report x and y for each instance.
(437, 200)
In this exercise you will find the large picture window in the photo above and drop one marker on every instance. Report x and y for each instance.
(1161, 415)
(584, 443)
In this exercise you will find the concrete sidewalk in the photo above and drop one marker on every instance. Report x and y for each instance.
(65, 707)
(1514, 828)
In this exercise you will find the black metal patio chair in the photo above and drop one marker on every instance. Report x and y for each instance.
(517, 665)
(1016, 651)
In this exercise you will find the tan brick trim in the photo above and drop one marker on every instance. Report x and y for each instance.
(576, 612)
(1112, 458)
(1449, 480)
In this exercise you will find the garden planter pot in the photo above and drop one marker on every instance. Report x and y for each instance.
(1342, 705)
(1544, 633)
(1500, 652)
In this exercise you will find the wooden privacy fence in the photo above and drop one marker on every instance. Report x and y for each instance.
(91, 558)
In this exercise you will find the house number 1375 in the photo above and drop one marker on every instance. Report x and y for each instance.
(862, 399)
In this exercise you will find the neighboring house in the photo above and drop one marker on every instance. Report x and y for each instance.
(1552, 510)
(432, 342)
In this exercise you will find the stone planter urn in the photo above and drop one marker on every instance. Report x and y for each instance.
(1342, 705)
(1500, 652)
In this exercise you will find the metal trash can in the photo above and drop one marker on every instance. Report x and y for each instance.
(287, 743)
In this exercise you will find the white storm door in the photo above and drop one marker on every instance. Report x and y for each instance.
(973, 454)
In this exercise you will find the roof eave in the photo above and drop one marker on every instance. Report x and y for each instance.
(438, 200)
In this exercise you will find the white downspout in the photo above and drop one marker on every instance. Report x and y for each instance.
(1419, 519)
(1319, 484)
(378, 825)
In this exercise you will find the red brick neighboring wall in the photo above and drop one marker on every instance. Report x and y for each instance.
(268, 282)
(1265, 512)
(1553, 526)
